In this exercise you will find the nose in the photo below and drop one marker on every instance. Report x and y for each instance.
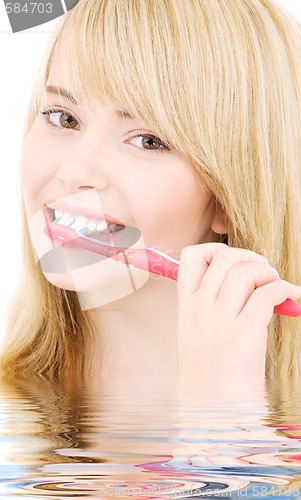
(85, 163)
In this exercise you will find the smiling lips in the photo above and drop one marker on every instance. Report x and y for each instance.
(77, 211)
(80, 224)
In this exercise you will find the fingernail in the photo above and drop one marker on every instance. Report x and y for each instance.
(298, 288)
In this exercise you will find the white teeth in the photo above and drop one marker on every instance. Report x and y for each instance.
(91, 226)
(66, 219)
(57, 213)
(83, 225)
(102, 225)
(79, 222)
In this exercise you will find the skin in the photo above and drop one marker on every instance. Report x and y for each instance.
(165, 331)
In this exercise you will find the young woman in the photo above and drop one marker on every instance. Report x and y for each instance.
(181, 120)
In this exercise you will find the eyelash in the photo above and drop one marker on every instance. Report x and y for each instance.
(57, 110)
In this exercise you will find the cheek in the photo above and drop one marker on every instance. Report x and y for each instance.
(172, 212)
(176, 199)
(36, 166)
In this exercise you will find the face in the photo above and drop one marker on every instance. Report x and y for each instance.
(92, 157)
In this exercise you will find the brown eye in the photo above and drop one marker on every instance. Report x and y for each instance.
(148, 143)
(151, 142)
(60, 118)
(68, 121)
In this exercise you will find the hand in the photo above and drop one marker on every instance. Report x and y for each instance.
(226, 299)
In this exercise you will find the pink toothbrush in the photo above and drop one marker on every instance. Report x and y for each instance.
(148, 259)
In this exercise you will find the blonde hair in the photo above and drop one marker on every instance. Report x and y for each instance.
(221, 82)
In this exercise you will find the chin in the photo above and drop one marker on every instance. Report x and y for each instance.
(101, 283)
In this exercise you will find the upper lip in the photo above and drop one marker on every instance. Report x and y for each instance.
(81, 211)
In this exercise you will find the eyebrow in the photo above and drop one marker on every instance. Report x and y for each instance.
(51, 89)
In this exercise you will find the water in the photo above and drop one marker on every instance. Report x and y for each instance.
(59, 442)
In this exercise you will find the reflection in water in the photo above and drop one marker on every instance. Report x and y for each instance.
(73, 442)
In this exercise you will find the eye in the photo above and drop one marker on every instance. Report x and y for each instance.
(149, 143)
(61, 118)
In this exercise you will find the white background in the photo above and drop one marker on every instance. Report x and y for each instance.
(20, 58)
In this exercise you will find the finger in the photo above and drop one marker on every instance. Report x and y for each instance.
(220, 266)
(259, 308)
(240, 283)
(194, 262)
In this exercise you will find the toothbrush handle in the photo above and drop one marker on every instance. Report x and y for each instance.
(142, 259)
(169, 269)
(154, 264)
(288, 308)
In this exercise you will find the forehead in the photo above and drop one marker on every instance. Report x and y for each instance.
(101, 82)
(57, 83)
(55, 87)
(77, 88)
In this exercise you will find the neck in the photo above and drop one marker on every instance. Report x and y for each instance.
(137, 335)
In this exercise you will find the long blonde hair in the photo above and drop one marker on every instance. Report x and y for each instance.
(221, 82)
